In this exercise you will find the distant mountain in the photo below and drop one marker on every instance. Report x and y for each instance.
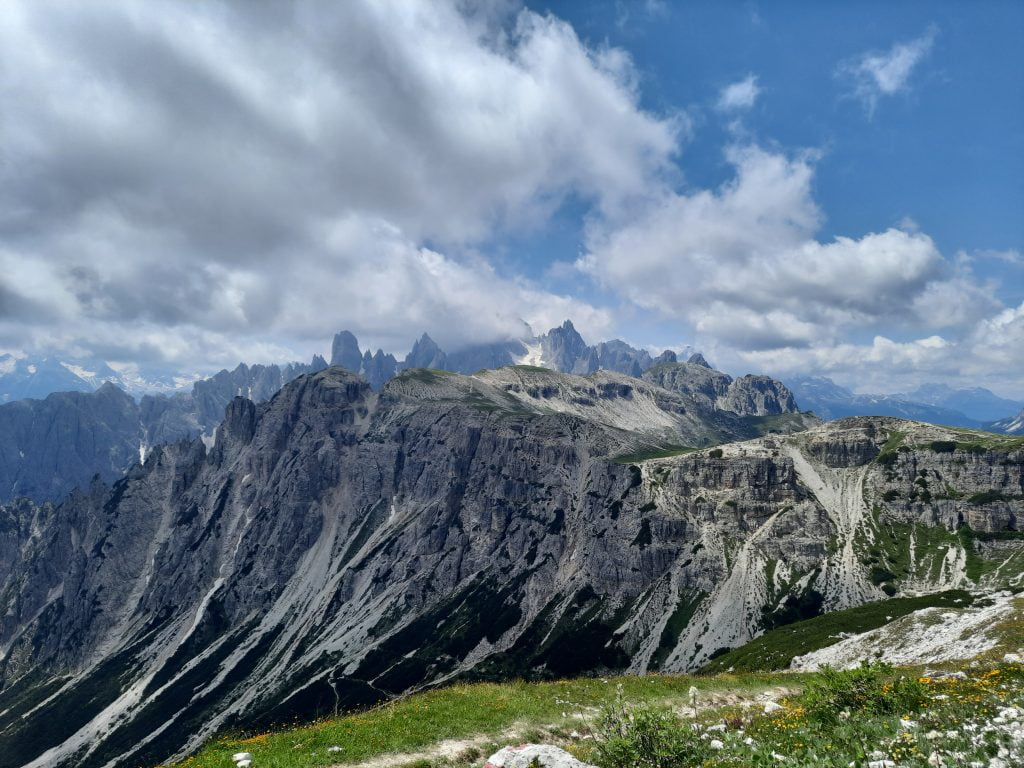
(829, 400)
(561, 349)
(1013, 425)
(976, 403)
(38, 376)
(50, 446)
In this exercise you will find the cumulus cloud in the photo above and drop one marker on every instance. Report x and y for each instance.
(228, 173)
(742, 264)
(743, 267)
(987, 351)
(874, 75)
(739, 95)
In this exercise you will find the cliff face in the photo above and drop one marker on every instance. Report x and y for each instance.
(337, 546)
(49, 446)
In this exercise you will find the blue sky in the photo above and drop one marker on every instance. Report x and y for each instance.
(948, 152)
(823, 188)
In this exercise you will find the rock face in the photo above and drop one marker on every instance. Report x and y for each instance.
(564, 350)
(345, 352)
(339, 545)
(50, 447)
(747, 395)
(426, 354)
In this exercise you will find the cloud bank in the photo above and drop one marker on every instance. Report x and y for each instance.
(228, 173)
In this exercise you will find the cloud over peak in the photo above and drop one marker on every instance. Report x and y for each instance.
(234, 168)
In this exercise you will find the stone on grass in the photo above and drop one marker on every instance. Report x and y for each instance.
(528, 755)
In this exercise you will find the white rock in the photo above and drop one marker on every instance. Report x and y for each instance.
(1013, 658)
(720, 727)
(717, 744)
(335, 749)
(881, 764)
(241, 756)
(771, 706)
(907, 724)
(935, 760)
(243, 763)
(533, 754)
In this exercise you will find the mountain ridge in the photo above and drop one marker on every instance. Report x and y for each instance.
(337, 544)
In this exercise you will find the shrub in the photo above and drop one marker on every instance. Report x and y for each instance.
(943, 446)
(867, 688)
(986, 497)
(715, 453)
(880, 575)
(645, 737)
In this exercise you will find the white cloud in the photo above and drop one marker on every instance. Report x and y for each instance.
(739, 95)
(986, 353)
(875, 75)
(741, 264)
(227, 173)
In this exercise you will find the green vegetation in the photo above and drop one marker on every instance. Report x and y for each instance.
(653, 453)
(776, 648)
(457, 712)
(988, 497)
(534, 369)
(873, 714)
(426, 375)
(976, 440)
(645, 735)
(715, 453)
(865, 689)
(778, 423)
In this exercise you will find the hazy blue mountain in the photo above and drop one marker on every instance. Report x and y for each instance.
(976, 403)
(829, 400)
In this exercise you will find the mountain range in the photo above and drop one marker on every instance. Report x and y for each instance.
(975, 407)
(561, 348)
(52, 445)
(336, 545)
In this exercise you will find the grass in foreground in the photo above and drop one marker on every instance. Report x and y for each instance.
(457, 712)
(872, 715)
(777, 648)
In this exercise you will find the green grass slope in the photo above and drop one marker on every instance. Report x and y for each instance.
(776, 648)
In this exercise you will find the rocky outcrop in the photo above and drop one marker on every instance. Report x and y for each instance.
(564, 350)
(758, 396)
(339, 545)
(345, 352)
(426, 354)
(748, 395)
(49, 446)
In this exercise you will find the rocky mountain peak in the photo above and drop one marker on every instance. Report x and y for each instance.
(426, 353)
(345, 351)
(698, 359)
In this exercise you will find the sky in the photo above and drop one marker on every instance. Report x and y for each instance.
(794, 188)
